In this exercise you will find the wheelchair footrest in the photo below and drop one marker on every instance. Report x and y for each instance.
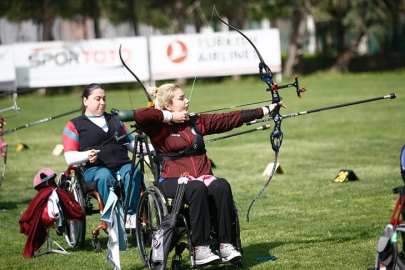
(96, 244)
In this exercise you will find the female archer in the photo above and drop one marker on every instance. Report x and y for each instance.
(178, 137)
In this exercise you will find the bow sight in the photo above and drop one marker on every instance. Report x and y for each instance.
(299, 90)
(267, 76)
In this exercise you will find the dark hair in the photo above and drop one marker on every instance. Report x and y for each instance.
(88, 90)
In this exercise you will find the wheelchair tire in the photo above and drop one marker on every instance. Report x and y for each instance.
(75, 231)
(150, 213)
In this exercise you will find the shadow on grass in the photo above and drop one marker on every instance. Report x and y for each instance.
(13, 205)
(250, 252)
(262, 250)
(4, 206)
(103, 239)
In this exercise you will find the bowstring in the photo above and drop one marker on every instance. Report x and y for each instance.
(199, 60)
(126, 82)
(192, 88)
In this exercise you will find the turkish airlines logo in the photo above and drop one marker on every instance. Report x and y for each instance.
(177, 51)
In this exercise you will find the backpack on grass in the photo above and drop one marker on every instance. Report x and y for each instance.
(388, 256)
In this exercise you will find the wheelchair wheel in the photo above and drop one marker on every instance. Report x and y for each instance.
(74, 230)
(150, 213)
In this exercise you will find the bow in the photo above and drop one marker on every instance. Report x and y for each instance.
(276, 135)
(141, 140)
(150, 101)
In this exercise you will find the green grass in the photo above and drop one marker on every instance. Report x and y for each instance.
(303, 218)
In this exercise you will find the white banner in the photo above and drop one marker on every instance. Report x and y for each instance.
(7, 68)
(215, 54)
(48, 64)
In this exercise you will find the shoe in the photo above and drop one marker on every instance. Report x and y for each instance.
(131, 222)
(204, 255)
(229, 253)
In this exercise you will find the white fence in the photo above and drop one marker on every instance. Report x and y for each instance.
(49, 64)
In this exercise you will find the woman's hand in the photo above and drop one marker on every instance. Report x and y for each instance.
(180, 117)
(93, 156)
(273, 106)
(2, 122)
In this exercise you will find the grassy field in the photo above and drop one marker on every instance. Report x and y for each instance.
(303, 218)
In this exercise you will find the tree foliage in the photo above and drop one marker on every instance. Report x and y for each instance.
(41, 12)
(340, 24)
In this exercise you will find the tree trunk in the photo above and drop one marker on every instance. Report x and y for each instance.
(295, 51)
(197, 19)
(179, 11)
(238, 14)
(47, 20)
(95, 15)
(195, 10)
(134, 17)
(396, 29)
(340, 28)
(1, 42)
(343, 61)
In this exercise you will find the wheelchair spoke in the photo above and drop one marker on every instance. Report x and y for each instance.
(150, 213)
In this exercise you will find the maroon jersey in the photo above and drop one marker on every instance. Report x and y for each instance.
(168, 137)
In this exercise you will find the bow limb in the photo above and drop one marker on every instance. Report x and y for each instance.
(267, 76)
(265, 186)
(265, 72)
(150, 101)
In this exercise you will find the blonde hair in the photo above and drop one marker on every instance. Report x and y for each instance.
(162, 95)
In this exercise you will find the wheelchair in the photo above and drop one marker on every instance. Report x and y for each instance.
(73, 181)
(394, 256)
(153, 207)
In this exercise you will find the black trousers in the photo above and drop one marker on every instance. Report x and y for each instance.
(199, 197)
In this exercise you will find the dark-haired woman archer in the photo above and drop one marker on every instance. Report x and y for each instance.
(91, 139)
